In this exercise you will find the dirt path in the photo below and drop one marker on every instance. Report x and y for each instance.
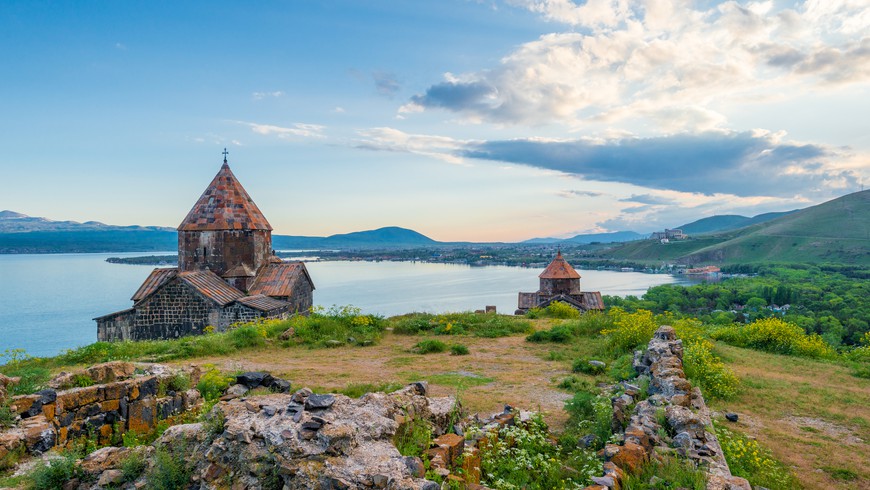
(499, 371)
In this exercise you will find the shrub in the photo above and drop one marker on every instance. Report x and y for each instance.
(170, 470)
(589, 414)
(623, 368)
(356, 390)
(700, 365)
(630, 330)
(524, 456)
(413, 437)
(748, 459)
(559, 334)
(339, 325)
(583, 365)
(559, 309)
(669, 473)
(430, 346)
(212, 383)
(485, 325)
(7, 416)
(57, 472)
(133, 466)
(458, 350)
(775, 335)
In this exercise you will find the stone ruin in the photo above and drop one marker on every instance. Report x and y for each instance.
(125, 397)
(685, 412)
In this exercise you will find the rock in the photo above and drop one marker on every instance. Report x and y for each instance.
(630, 457)
(604, 481)
(110, 477)
(421, 387)
(415, 466)
(237, 390)
(301, 395)
(39, 434)
(254, 379)
(269, 410)
(587, 441)
(598, 364)
(316, 402)
(288, 334)
(105, 458)
(731, 417)
(683, 440)
(280, 385)
(108, 372)
(453, 443)
(47, 396)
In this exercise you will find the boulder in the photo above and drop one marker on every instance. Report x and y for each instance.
(254, 379)
(105, 458)
(110, 371)
(110, 478)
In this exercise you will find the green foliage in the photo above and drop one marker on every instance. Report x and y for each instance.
(133, 466)
(81, 380)
(750, 460)
(556, 309)
(558, 334)
(670, 473)
(339, 325)
(775, 335)
(212, 383)
(589, 413)
(430, 346)
(57, 472)
(458, 350)
(582, 365)
(413, 437)
(10, 459)
(356, 390)
(623, 368)
(171, 469)
(485, 325)
(7, 416)
(630, 330)
(213, 422)
(701, 366)
(19, 364)
(524, 457)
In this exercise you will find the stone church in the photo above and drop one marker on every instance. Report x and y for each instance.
(560, 282)
(227, 273)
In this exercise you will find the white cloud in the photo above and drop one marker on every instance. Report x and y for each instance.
(297, 130)
(390, 139)
(666, 63)
(263, 95)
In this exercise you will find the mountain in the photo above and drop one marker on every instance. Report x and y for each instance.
(388, 237)
(726, 222)
(612, 237)
(836, 231)
(12, 222)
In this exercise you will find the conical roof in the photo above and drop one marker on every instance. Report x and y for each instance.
(225, 205)
(559, 269)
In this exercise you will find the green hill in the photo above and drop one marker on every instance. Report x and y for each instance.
(725, 222)
(836, 231)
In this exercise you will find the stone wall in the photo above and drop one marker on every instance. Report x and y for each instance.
(671, 397)
(104, 411)
(222, 250)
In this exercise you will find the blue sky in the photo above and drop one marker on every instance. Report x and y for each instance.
(464, 120)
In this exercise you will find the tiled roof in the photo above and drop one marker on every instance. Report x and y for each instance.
(279, 279)
(225, 205)
(263, 303)
(559, 269)
(157, 278)
(240, 270)
(211, 286)
(592, 300)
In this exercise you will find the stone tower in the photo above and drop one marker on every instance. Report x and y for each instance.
(559, 278)
(226, 233)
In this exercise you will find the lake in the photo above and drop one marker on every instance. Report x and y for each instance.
(47, 302)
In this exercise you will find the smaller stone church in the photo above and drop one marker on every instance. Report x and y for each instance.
(227, 273)
(560, 282)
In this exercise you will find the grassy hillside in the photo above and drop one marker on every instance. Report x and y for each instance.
(835, 231)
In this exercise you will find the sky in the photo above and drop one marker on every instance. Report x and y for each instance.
(464, 120)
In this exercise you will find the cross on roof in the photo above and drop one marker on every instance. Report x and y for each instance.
(225, 155)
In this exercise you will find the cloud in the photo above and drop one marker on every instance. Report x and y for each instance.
(394, 140)
(741, 164)
(575, 193)
(263, 95)
(297, 130)
(648, 199)
(670, 63)
(386, 83)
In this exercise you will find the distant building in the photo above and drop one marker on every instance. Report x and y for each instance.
(227, 273)
(560, 282)
(667, 235)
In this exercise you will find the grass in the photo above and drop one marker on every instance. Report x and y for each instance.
(486, 325)
(670, 473)
(430, 346)
(356, 390)
(413, 437)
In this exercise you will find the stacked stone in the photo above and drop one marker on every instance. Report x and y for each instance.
(686, 414)
(54, 417)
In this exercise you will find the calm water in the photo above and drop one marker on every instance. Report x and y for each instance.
(47, 302)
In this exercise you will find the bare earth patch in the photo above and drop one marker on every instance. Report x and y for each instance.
(813, 415)
(519, 375)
